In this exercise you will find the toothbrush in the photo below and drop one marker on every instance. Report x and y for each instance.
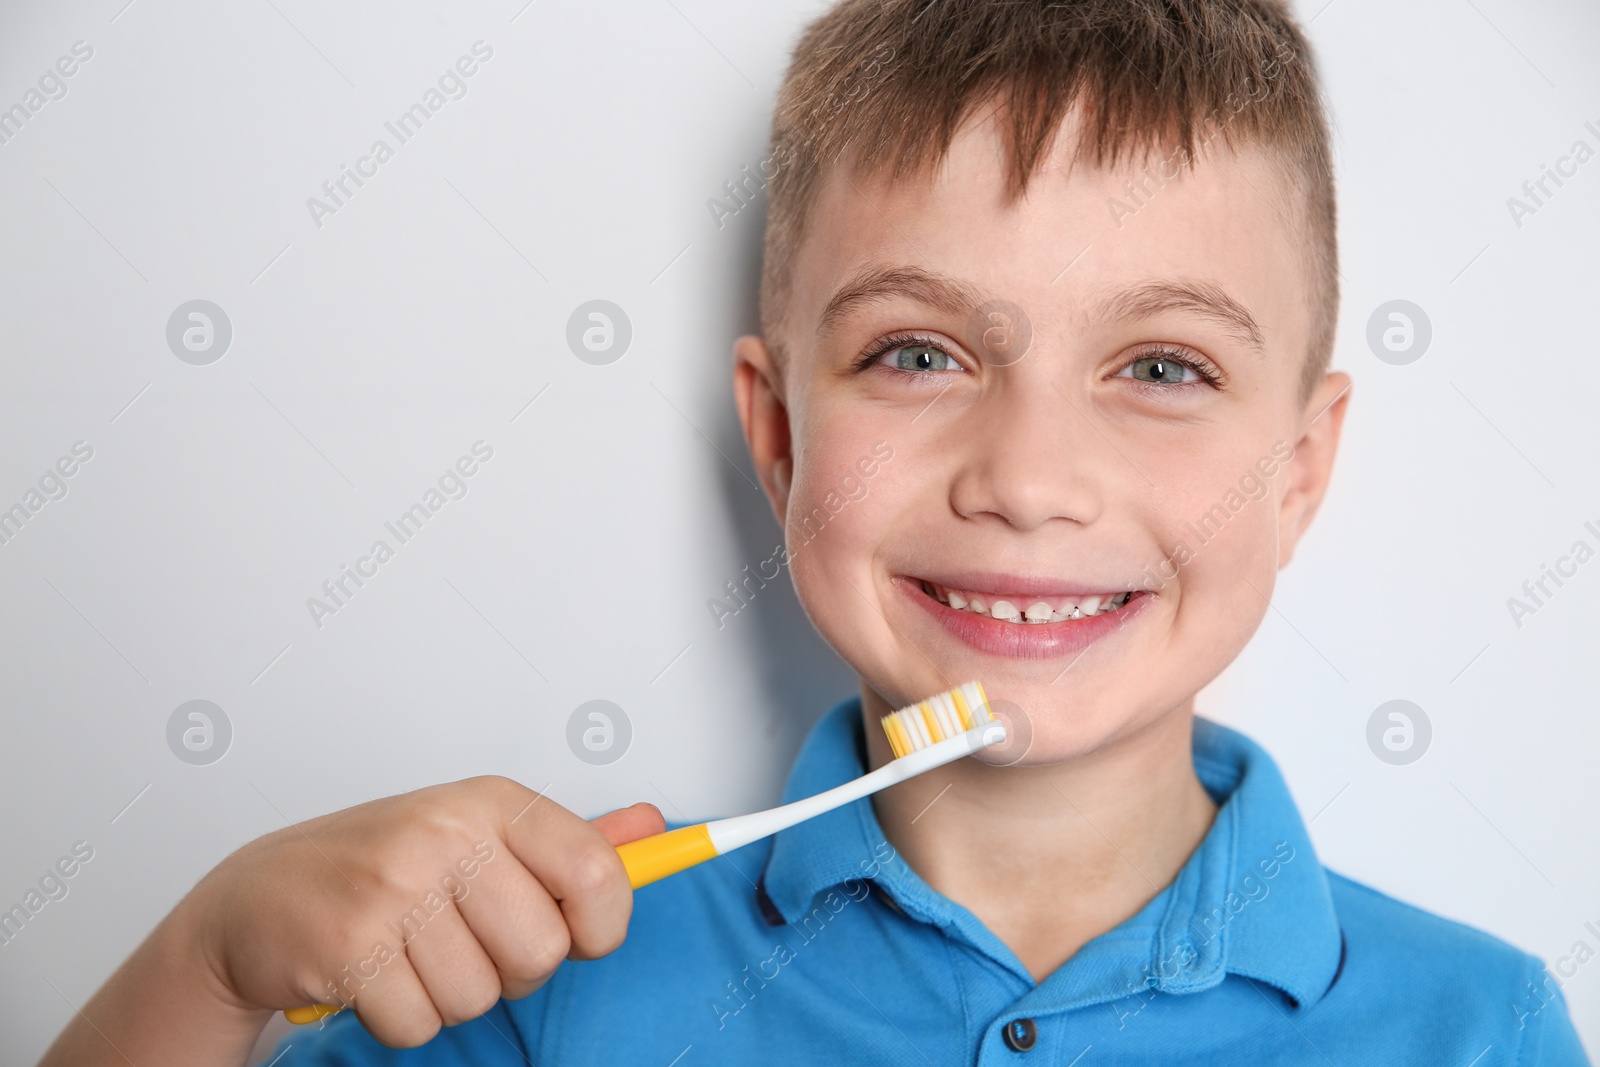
(924, 735)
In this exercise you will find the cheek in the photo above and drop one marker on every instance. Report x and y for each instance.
(1223, 590)
(838, 515)
(1224, 543)
(1214, 512)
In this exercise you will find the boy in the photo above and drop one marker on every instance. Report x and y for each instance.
(1062, 277)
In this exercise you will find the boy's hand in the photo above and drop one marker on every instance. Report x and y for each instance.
(422, 909)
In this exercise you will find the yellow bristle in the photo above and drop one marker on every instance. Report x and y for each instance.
(897, 736)
(960, 702)
(934, 733)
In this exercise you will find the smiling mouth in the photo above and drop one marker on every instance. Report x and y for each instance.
(1025, 610)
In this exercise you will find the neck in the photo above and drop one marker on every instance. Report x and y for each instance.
(1050, 856)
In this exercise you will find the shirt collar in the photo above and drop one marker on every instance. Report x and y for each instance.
(1251, 900)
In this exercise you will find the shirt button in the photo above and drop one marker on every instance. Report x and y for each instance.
(1021, 1035)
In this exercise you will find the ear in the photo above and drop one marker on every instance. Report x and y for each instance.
(757, 389)
(1312, 465)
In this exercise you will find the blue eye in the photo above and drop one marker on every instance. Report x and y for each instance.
(1168, 368)
(912, 354)
(921, 357)
(1162, 370)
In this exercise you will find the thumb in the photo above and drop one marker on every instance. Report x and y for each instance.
(631, 823)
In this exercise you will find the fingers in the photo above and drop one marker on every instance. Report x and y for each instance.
(460, 978)
(519, 925)
(630, 824)
(559, 892)
(580, 868)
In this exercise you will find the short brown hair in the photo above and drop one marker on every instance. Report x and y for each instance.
(875, 84)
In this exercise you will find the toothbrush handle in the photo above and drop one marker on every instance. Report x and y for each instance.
(647, 860)
(652, 858)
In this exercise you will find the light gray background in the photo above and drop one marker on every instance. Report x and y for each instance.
(426, 314)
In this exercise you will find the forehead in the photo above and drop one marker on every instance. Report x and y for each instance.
(1081, 240)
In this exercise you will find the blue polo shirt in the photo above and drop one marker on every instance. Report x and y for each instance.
(822, 946)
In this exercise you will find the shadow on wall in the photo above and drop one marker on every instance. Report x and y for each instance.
(801, 677)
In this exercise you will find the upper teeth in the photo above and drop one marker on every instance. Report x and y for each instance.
(1029, 609)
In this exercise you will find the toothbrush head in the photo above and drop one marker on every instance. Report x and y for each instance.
(943, 716)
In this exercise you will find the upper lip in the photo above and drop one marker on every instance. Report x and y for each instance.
(997, 583)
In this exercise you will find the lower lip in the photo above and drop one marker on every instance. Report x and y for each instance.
(1025, 640)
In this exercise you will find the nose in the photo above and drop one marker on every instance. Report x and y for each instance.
(1031, 456)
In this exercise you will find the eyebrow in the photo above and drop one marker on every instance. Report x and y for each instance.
(1197, 298)
(1205, 299)
(884, 283)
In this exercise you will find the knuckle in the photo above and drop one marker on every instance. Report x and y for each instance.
(596, 869)
(547, 952)
(392, 870)
(497, 787)
(439, 821)
(602, 941)
(427, 843)
(503, 784)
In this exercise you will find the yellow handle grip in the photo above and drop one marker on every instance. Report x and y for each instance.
(652, 858)
(310, 1013)
(647, 860)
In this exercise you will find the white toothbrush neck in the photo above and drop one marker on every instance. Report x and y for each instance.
(741, 830)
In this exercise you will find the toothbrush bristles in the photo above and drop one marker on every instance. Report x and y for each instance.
(937, 718)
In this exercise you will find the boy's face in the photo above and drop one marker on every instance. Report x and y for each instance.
(1126, 434)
